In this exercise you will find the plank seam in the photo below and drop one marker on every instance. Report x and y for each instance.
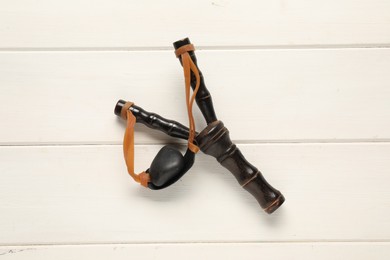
(200, 243)
(238, 142)
(199, 47)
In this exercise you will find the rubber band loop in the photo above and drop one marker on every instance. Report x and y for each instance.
(188, 66)
(183, 49)
(125, 107)
(128, 146)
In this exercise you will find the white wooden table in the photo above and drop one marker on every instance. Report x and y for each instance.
(303, 86)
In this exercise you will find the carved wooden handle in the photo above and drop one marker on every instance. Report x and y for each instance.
(215, 141)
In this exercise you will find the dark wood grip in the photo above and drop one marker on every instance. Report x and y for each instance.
(214, 140)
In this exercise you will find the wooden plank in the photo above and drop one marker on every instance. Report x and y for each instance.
(82, 194)
(156, 24)
(303, 251)
(261, 95)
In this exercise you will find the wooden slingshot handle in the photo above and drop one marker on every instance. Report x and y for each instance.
(214, 140)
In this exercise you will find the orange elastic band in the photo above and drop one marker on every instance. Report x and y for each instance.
(184, 49)
(188, 66)
(128, 146)
(125, 107)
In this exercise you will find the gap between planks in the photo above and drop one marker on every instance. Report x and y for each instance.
(199, 47)
(243, 142)
(356, 241)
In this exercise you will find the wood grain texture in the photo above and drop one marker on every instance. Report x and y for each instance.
(261, 95)
(156, 24)
(82, 194)
(207, 251)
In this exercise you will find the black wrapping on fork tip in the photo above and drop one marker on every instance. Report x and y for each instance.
(118, 107)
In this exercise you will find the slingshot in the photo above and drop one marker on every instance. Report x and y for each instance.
(170, 165)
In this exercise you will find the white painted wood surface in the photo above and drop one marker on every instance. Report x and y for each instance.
(229, 23)
(78, 194)
(261, 95)
(302, 251)
(312, 78)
